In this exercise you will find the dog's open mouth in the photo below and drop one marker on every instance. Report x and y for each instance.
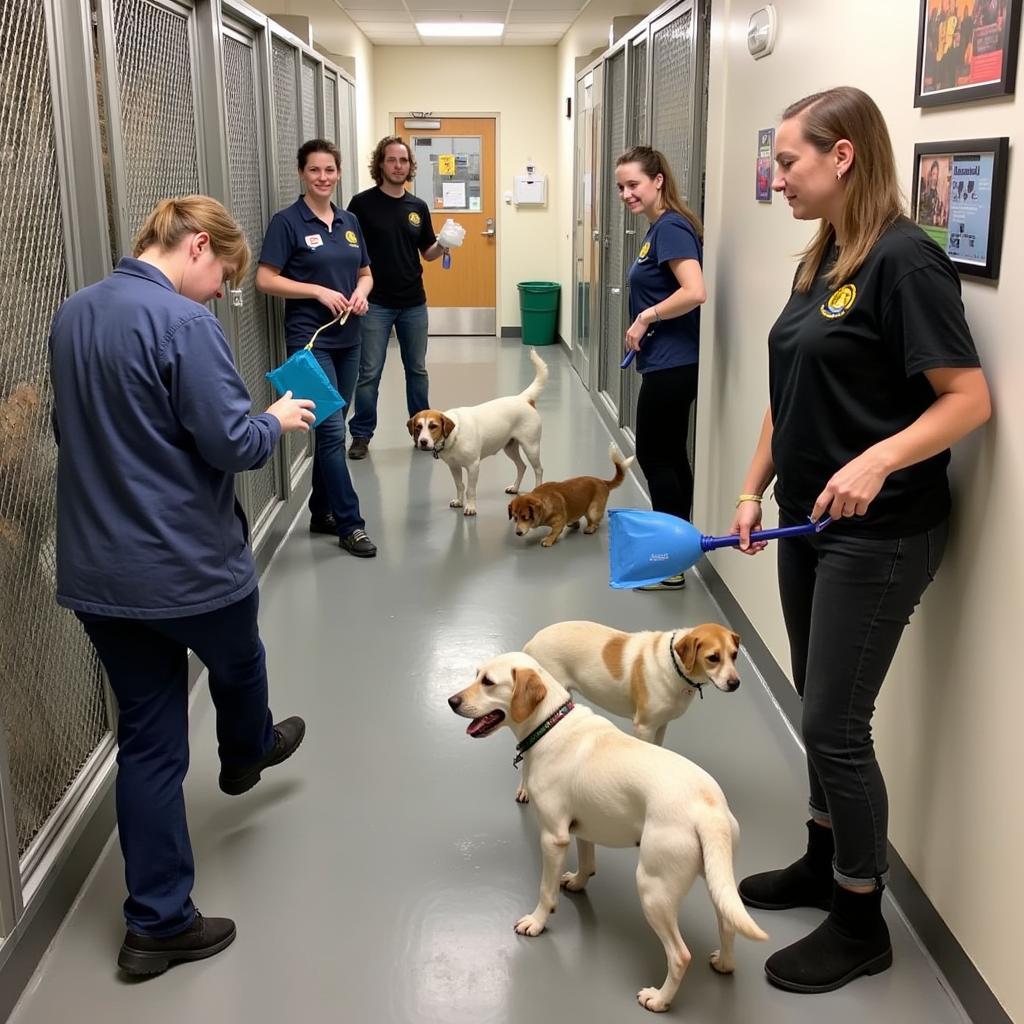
(485, 724)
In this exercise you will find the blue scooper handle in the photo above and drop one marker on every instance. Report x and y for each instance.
(733, 539)
(630, 356)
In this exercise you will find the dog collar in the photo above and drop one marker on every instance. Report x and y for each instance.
(542, 730)
(437, 449)
(675, 664)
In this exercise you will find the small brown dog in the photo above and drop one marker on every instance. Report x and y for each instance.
(562, 503)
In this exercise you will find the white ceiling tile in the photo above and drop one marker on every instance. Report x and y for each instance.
(469, 9)
(540, 18)
(377, 5)
(571, 7)
(533, 40)
(361, 17)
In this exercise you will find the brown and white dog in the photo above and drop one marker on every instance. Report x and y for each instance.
(593, 781)
(648, 677)
(464, 436)
(562, 503)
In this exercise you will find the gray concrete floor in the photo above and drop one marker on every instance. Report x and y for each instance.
(376, 876)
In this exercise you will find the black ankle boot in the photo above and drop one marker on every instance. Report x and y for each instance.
(805, 883)
(853, 940)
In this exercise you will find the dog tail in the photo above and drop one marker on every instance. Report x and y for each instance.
(621, 465)
(716, 845)
(539, 380)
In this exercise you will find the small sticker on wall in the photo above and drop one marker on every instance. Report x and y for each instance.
(474, 204)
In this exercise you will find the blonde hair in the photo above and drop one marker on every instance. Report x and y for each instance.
(171, 220)
(377, 159)
(653, 162)
(873, 200)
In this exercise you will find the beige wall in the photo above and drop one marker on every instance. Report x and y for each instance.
(518, 84)
(950, 714)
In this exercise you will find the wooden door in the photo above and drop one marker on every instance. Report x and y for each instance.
(456, 178)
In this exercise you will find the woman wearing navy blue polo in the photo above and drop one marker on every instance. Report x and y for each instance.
(314, 258)
(666, 289)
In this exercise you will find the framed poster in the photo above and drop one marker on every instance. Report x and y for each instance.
(966, 50)
(765, 158)
(959, 199)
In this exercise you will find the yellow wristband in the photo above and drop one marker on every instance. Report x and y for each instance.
(748, 497)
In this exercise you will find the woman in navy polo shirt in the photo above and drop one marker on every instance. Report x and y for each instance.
(666, 289)
(314, 258)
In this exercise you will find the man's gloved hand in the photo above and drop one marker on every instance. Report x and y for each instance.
(451, 235)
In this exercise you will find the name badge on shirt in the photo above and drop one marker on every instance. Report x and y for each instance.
(314, 241)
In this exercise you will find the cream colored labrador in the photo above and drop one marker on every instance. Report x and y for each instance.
(649, 677)
(590, 780)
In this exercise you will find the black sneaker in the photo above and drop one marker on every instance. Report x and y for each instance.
(359, 447)
(672, 583)
(205, 936)
(323, 524)
(287, 737)
(357, 543)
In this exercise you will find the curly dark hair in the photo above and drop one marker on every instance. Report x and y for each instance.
(377, 159)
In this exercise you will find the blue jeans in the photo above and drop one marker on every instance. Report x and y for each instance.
(846, 601)
(411, 327)
(147, 664)
(332, 485)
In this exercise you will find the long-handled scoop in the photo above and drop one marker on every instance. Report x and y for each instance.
(645, 547)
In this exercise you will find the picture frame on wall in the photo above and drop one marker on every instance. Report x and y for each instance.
(966, 50)
(959, 200)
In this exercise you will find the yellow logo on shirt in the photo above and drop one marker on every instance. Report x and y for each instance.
(350, 237)
(644, 249)
(414, 219)
(839, 302)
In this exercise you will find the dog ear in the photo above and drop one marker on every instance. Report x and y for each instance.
(447, 425)
(510, 510)
(411, 425)
(687, 650)
(735, 638)
(527, 694)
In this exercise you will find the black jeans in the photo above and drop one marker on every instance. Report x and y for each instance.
(846, 601)
(662, 432)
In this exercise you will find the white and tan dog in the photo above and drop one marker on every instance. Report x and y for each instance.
(590, 780)
(464, 436)
(648, 677)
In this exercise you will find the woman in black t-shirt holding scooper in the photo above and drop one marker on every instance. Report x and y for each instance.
(873, 374)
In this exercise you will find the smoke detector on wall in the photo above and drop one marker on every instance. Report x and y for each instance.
(761, 31)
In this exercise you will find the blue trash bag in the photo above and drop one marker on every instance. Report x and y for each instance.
(303, 376)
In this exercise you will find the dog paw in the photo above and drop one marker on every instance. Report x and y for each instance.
(469, 510)
(455, 503)
(511, 489)
(590, 529)
(545, 543)
(529, 925)
(574, 881)
(721, 964)
(650, 999)
(522, 797)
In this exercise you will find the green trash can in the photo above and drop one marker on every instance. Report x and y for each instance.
(538, 306)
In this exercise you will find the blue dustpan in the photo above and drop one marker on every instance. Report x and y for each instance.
(646, 547)
(303, 376)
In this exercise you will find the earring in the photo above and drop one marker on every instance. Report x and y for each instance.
(839, 174)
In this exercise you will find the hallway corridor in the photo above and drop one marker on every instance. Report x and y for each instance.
(375, 877)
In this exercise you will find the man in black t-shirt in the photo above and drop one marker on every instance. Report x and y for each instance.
(397, 230)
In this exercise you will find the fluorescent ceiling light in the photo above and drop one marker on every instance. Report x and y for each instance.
(460, 28)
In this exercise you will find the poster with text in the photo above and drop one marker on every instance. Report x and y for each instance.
(765, 157)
